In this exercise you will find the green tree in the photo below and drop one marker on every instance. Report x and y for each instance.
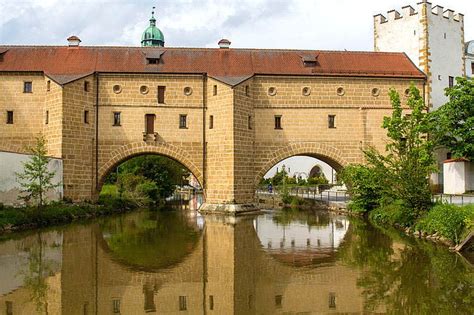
(162, 171)
(404, 169)
(452, 125)
(364, 186)
(280, 177)
(401, 173)
(36, 179)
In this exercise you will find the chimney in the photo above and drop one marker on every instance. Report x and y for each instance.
(73, 41)
(224, 43)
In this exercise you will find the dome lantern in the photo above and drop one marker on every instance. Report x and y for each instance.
(152, 36)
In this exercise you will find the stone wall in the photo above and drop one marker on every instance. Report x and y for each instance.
(119, 143)
(27, 110)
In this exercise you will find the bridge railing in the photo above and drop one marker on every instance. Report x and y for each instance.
(319, 192)
(459, 200)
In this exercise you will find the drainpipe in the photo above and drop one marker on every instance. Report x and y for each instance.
(204, 144)
(97, 132)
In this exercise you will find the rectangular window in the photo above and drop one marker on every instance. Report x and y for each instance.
(152, 61)
(9, 117)
(451, 82)
(278, 301)
(211, 302)
(85, 308)
(116, 118)
(250, 122)
(150, 124)
(86, 117)
(86, 86)
(247, 90)
(211, 122)
(472, 68)
(278, 122)
(28, 87)
(182, 303)
(161, 94)
(332, 300)
(46, 120)
(116, 306)
(331, 121)
(48, 85)
(214, 90)
(9, 307)
(182, 121)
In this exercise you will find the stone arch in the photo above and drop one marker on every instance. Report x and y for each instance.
(315, 171)
(323, 152)
(131, 150)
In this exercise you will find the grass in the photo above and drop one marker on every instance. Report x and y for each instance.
(449, 221)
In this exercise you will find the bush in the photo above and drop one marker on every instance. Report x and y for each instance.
(395, 213)
(317, 180)
(363, 186)
(450, 221)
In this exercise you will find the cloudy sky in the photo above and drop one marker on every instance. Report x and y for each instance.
(309, 24)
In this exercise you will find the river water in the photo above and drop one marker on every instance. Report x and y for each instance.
(175, 261)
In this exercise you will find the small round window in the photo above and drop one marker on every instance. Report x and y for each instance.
(340, 91)
(144, 89)
(306, 91)
(188, 91)
(375, 92)
(407, 92)
(272, 91)
(117, 89)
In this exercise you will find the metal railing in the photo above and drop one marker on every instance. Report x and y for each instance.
(454, 199)
(321, 193)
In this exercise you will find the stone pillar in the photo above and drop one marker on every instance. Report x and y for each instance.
(229, 153)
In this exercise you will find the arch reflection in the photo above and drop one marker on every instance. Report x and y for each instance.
(229, 269)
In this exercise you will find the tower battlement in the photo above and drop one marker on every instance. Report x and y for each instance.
(407, 11)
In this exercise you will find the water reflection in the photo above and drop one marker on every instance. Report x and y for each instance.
(170, 262)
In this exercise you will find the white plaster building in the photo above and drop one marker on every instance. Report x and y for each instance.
(12, 163)
(432, 37)
(470, 59)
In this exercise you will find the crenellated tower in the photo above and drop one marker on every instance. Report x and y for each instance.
(432, 37)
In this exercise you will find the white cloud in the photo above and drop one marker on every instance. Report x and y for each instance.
(311, 24)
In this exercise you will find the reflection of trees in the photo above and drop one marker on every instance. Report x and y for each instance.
(417, 278)
(294, 215)
(34, 276)
(151, 240)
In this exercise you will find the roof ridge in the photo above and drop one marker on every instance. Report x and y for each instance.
(208, 49)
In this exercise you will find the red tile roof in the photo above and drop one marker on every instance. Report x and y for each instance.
(67, 61)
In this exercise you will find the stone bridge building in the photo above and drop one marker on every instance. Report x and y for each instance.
(226, 114)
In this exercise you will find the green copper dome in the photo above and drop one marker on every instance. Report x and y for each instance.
(152, 36)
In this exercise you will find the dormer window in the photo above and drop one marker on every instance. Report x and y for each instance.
(153, 56)
(310, 60)
(2, 53)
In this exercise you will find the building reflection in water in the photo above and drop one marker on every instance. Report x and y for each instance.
(171, 262)
(167, 262)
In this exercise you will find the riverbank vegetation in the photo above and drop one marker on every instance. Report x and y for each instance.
(55, 213)
(393, 187)
(141, 181)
